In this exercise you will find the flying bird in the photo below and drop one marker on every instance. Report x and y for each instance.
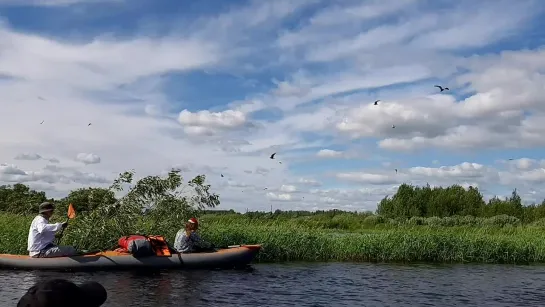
(265, 189)
(511, 159)
(442, 88)
(376, 102)
(393, 126)
(41, 98)
(272, 156)
(42, 122)
(396, 170)
(221, 175)
(89, 125)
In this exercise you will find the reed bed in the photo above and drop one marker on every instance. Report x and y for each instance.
(293, 240)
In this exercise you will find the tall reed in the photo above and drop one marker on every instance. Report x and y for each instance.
(293, 241)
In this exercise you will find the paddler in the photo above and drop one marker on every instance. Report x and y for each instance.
(188, 241)
(41, 235)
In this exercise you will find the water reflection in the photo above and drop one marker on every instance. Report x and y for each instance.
(334, 285)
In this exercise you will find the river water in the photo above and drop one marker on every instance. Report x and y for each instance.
(335, 284)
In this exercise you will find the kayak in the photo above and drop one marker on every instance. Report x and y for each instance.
(232, 257)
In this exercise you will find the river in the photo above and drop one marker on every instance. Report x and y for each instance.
(334, 284)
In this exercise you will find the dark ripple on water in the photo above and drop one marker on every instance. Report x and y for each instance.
(337, 284)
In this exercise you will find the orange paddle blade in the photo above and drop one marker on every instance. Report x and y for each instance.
(71, 212)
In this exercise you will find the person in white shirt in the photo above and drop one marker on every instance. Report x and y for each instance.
(41, 236)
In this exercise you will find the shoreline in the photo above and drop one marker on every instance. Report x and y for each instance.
(287, 240)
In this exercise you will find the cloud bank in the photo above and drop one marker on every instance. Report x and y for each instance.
(217, 92)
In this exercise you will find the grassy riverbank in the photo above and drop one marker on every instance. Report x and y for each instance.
(337, 238)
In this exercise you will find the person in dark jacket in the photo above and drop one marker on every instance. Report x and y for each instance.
(64, 293)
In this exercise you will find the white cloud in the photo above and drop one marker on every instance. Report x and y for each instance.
(288, 188)
(208, 123)
(466, 170)
(101, 64)
(309, 182)
(11, 169)
(60, 179)
(492, 118)
(329, 153)
(463, 173)
(525, 163)
(28, 156)
(368, 178)
(152, 110)
(88, 158)
(286, 89)
(280, 197)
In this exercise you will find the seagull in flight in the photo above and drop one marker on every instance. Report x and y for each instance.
(442, 88)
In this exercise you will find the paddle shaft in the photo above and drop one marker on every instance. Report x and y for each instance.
(62, 232)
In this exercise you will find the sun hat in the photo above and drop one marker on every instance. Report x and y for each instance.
(46, 207)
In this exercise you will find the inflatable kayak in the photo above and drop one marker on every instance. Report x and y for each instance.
(232, 257)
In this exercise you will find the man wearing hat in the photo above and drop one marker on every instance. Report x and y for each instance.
(42, 235)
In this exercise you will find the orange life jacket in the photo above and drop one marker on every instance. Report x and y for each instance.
(158, 243)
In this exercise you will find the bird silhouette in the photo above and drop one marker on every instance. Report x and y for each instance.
(89, 125)
(393, 126)
(511, 159)
(376, 102)
(396, 170)
(442, 88)
(272, 156)
(42, 122)
(221, 175)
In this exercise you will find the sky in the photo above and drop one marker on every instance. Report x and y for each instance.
(92, 88)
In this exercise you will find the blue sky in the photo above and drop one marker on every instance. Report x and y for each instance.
(214, 87)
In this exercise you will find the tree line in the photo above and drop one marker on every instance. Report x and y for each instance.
(414, 201)
(21, 199)
(409, 201)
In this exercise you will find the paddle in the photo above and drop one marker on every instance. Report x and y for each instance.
(70, 215)
(226, 247)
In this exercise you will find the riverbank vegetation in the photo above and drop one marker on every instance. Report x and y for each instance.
(416, 224)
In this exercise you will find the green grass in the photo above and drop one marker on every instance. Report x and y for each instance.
(340, 239)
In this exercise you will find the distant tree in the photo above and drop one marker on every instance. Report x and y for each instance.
(410, 201)
(87, 199)
(166, 201)
(20, 199)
